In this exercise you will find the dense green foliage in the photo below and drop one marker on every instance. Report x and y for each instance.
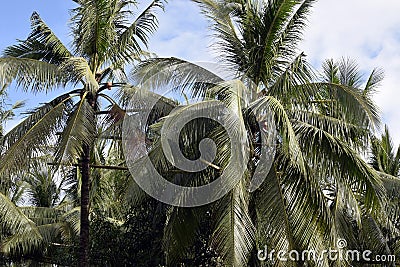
(67, 198)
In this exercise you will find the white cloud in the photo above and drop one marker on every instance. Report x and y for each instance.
(368, 31)
(182, 33)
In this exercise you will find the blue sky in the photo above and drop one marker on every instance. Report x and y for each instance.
(15, 24)
(366, 30)
(15, 18)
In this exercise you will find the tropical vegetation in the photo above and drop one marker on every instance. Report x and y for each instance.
(68, 198)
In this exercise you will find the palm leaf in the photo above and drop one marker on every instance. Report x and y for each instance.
(33, 135)
(128, 41)
(178, 74)
(354, 171)
(79, 71)
(290, 142)
(180, 232)
(79, 130)
(234, 233)
(42, 44)
(31, 74)
(26, 237)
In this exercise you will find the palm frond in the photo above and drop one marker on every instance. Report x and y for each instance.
(104, 34)
(145, 24)
(294, 82)
(345, 96)
(374, 80)
(353, 134)
(234, 233)
(79, 71)
(175, 73)
(354, 171)
(384, 157)
(290, 36)
(72, 217)
(26, 237)
(79, 130)
(289, 216)
(94, 25)
(33, 135)
(41, 215)
(42, 44)
(353, 105)
(31, 74)
(290, 141)
(180, 232)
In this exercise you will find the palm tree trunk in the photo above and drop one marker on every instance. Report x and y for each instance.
(85, 198)
(85, 192)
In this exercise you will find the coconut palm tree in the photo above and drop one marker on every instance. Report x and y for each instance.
(322, 123)
(51, 203)
(376, 231)
(7, 112)
(385, 158)
(27, 229)
(105, 39)
(11, 190)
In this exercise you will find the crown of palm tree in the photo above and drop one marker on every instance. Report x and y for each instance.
(319, 185)
(107, 36)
